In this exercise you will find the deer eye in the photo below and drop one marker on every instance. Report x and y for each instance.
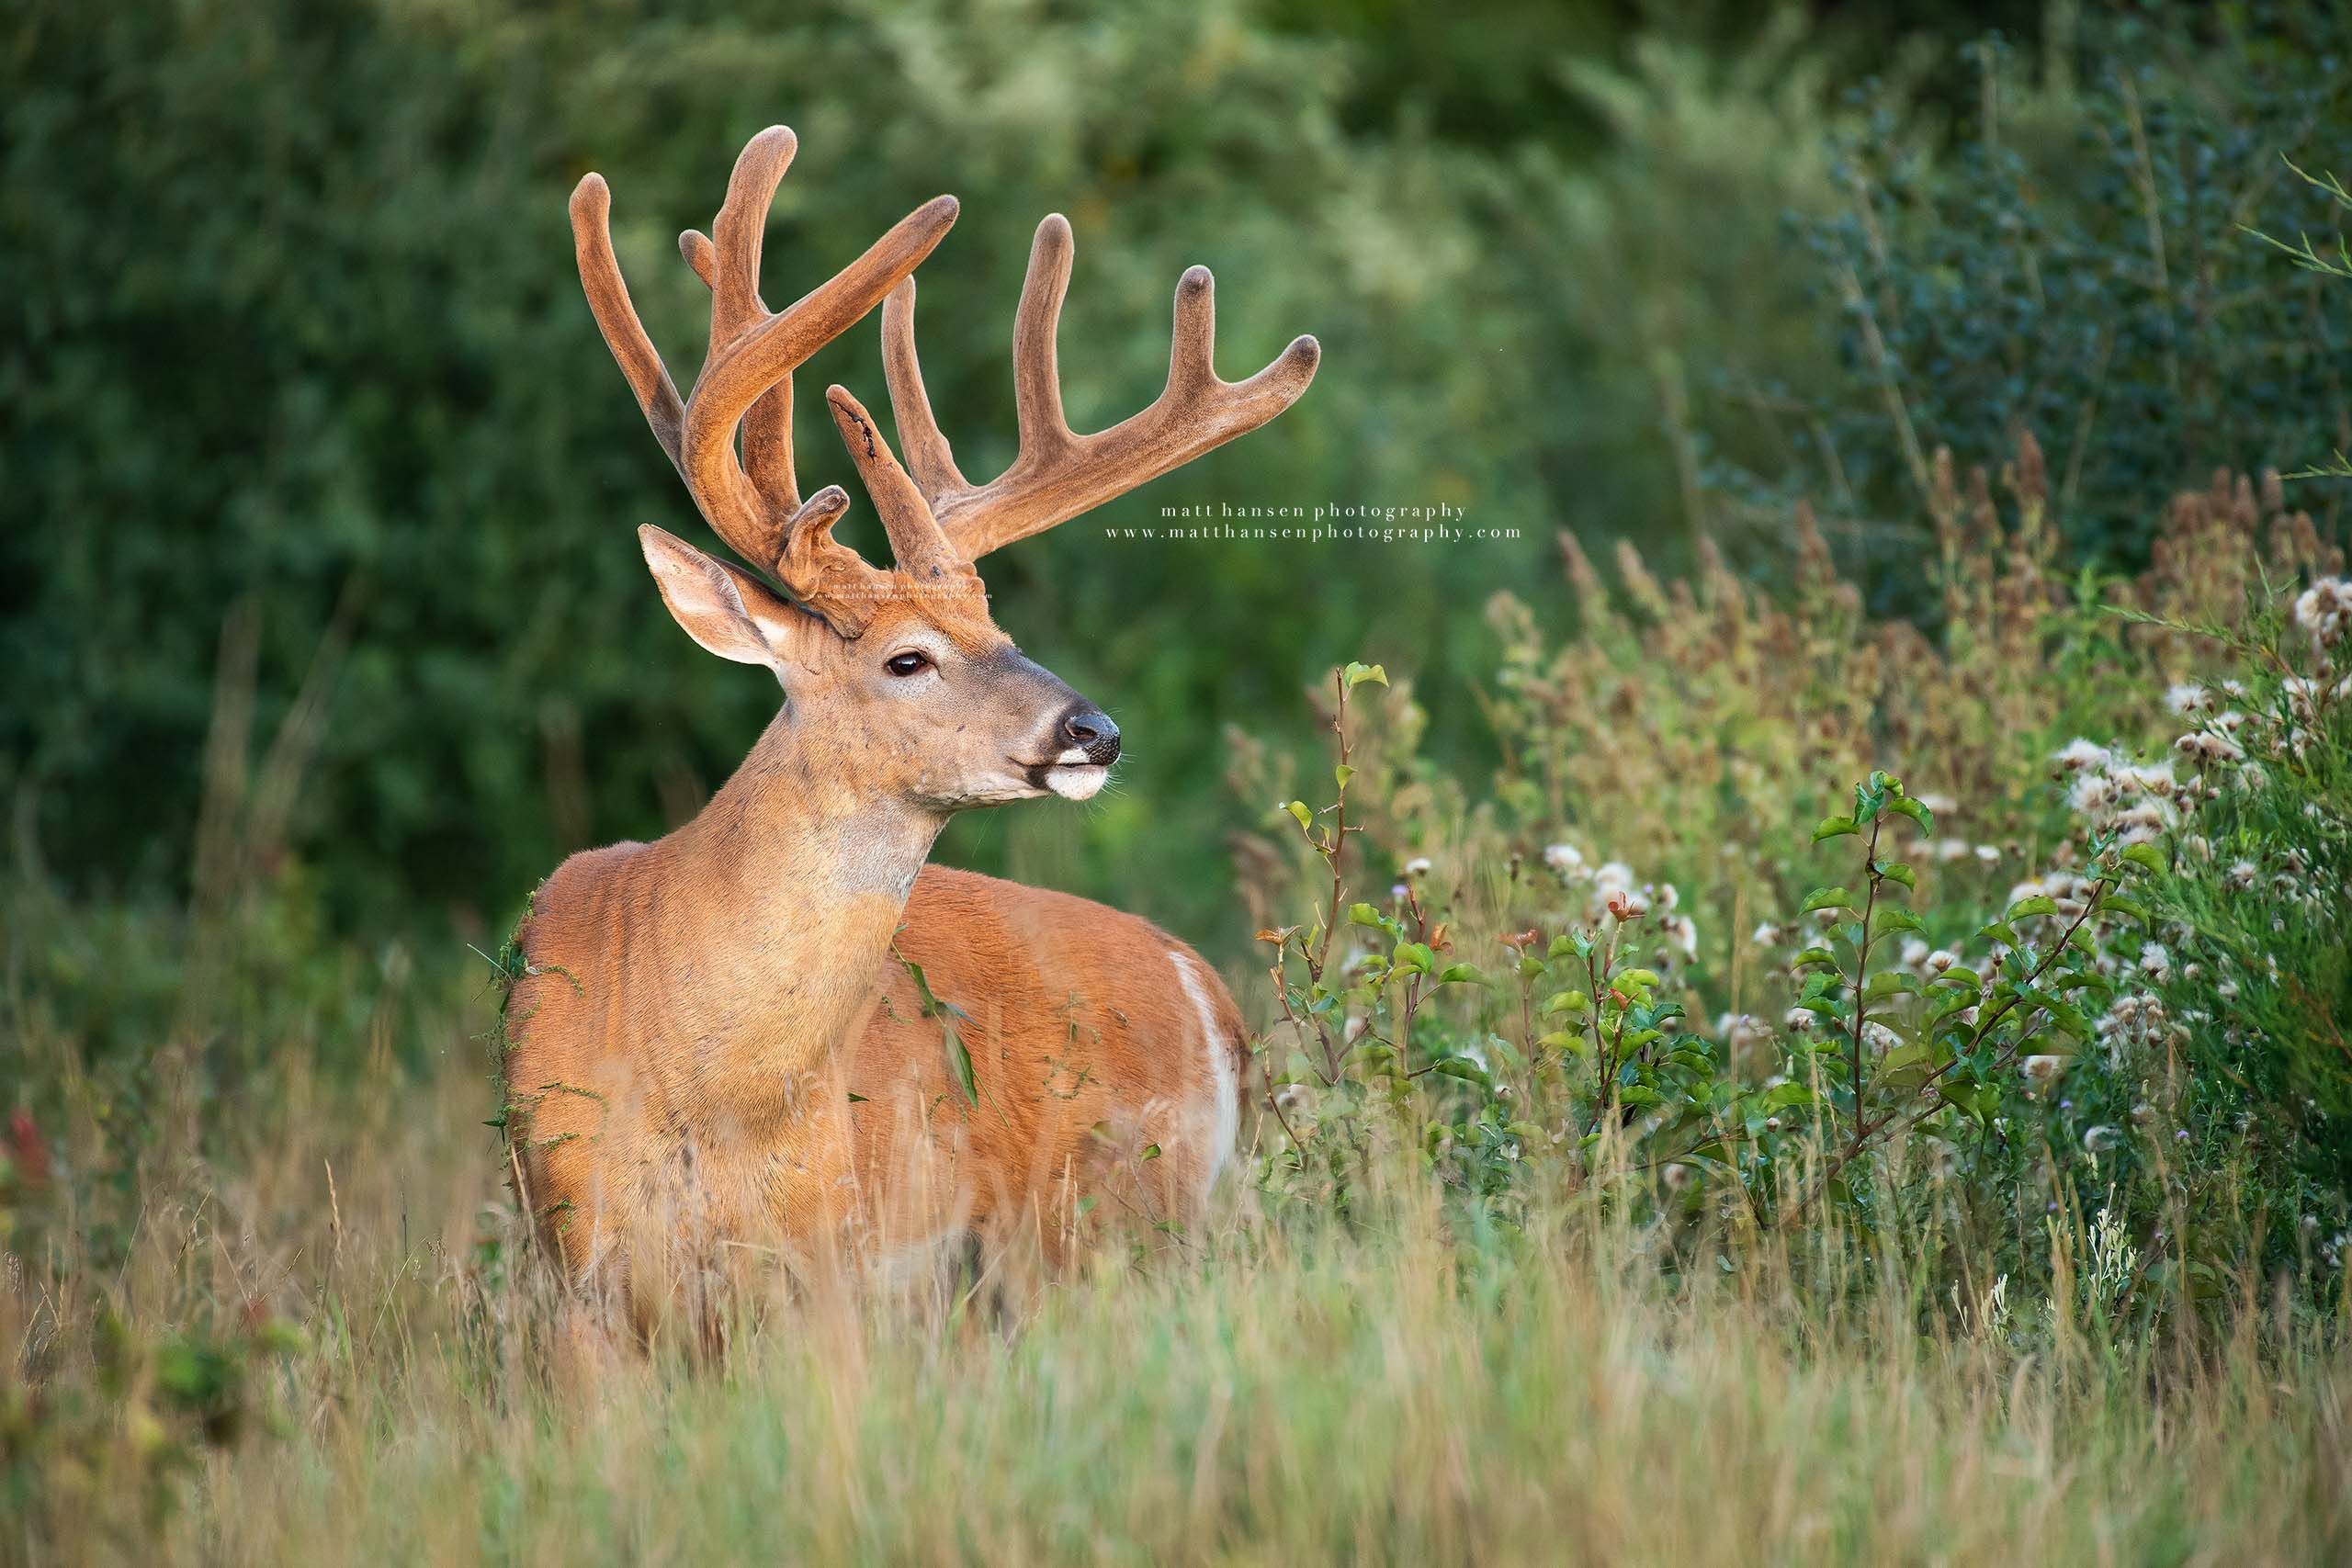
(909, 663)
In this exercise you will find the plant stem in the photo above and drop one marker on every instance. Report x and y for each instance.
(1600, 1064)
(1337, 842)
(1862, 967)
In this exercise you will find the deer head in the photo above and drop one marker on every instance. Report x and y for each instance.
(901, 675)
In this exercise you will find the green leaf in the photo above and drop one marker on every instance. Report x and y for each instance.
(959, 1065)
(2145, 856)
(1828, 899)
(2067, 1017)
(1461, 974)
(1630, 979)
(1813, 955)
(1568, 1001)
(1356, 674)
(931, 1005)
(1904, 1068)
(959, 1060)
(1896, 871)
(1460, 1067)
(1997, 930)
(1413, 955)
(1894, 918)
(1150, 1151)
(1833, 827)
(1366, 914)
(1943, 1004)
(2131, 910)
(1979, 1099)
(2025, 908)
(1343, 772)
(1889, 983)
(1914, 810)
(1298, 808)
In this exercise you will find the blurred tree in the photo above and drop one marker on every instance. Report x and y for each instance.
(298, 321)
(292, 341)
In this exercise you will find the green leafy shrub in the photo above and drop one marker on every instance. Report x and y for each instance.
(2072, 263)
(2233, 1029)
(1970, 1042)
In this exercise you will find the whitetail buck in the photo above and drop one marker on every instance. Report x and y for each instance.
(719, 1041)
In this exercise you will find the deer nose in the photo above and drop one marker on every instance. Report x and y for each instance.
(1091, 731)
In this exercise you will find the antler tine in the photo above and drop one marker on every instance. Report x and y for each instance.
(735, 306)
(929, 458)
(1042, 431)
(696, 246)
(599, 277)
(1036, 365)
(921, 547)
(767, 428)
(822, 569)
(1056, 473)
(761, 356)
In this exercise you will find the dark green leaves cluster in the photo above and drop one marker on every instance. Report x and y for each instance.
(2073, 263)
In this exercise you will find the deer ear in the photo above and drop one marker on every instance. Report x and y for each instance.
(730, 612)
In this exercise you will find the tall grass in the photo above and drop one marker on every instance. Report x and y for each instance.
(1400, 1389)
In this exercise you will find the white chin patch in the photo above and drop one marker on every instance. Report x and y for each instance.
(1076, 784)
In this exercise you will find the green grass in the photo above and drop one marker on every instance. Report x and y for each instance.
(1282, 1390)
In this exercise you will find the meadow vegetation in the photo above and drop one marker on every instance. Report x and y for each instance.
(1824, 1037)
(1663, 1152)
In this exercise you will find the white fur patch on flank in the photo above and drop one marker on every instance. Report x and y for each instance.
(1226, 1124)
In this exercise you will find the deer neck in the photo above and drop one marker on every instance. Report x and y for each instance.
(795, 876)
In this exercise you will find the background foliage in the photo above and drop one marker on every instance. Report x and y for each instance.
(298, 389)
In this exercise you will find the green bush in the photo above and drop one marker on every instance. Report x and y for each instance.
(2072, 261)
(1963, 1016)
(2249, 975)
